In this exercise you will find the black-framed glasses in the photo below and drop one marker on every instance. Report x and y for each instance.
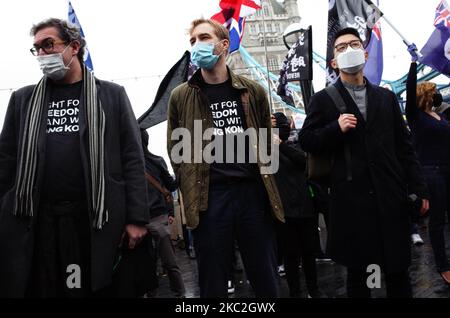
(47, 46)
(355, 44)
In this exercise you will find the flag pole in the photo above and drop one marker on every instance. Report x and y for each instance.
(267, 59)
(408, 43)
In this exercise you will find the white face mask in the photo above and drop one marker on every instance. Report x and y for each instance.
(351, 61)
(52, 65)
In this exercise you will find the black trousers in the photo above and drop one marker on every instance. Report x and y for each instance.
(398, 285)
(299, 240)
(438, 182)
(135, 271)
(61, 251)
(236, 211)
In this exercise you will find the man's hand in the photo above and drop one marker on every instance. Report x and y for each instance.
(347, 122)
(425, 206)
(171, 219)
(134, 233)
(412, 49)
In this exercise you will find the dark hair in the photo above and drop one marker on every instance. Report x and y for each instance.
(219, 30)
(345, 31)
(67, 32)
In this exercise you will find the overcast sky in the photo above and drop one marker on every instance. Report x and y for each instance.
(134, 42)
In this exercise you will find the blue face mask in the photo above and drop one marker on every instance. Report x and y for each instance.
(202, 55)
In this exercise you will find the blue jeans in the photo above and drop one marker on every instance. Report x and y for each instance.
(238, 211)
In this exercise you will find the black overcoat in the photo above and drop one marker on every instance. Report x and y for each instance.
(126, 197)
(369, 215)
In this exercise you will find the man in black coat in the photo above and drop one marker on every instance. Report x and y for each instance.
(71, 175)
(374, 170)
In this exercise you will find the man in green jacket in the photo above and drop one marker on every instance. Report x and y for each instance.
(224, 164)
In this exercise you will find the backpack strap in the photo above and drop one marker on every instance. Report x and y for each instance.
(152, 180)
(338, 101)
(333, 92)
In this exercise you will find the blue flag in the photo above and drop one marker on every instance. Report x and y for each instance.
(436, 52)
(374, 66)
(74, 20)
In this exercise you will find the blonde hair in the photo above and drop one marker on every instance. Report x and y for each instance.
(425, 92)
(219, 30)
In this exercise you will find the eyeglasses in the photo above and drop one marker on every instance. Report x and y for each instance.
(355, 44)
(47, 46)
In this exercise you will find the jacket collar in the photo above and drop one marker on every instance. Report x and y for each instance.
(373, 103)
(197, 81)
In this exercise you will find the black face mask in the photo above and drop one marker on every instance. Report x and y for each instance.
(437, 99)
(285, 131)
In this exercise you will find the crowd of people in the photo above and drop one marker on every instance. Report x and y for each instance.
(85, 207)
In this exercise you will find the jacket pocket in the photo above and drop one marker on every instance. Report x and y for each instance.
(117, 179)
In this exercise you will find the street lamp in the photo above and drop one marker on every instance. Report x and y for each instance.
(291, 34)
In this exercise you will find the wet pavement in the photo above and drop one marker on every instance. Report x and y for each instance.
(426, 282)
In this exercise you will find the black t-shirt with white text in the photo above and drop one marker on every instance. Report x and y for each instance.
(225, 104)
(63, 178)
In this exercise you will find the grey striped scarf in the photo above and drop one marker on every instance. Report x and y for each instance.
(27, 169)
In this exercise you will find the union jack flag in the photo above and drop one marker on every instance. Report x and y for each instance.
(376, 31)
(232, 16)
(435, 53)
(442, 15)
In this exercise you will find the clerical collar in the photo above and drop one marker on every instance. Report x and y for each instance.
(355, 87)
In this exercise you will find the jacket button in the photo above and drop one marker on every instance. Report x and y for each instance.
(371, 192)
(266, 176)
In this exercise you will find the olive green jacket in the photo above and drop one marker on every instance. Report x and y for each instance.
(187, 104)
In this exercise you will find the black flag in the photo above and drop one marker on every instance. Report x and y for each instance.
(297, 66)
(157, 113)
(298, 62)
(358, 14)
